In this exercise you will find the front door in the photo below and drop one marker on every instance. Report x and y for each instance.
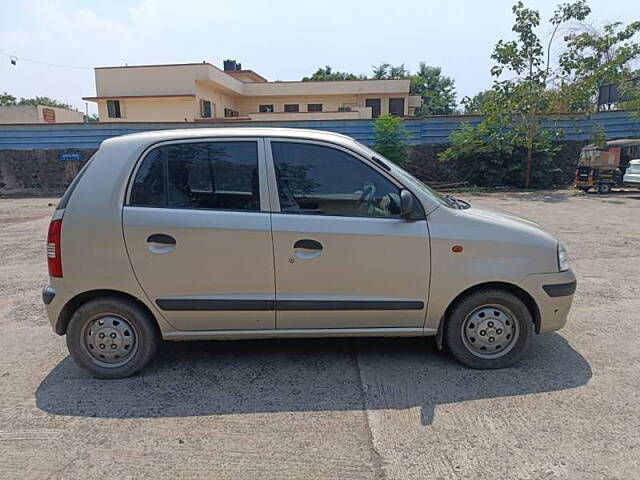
(344, 257)
(198, 233)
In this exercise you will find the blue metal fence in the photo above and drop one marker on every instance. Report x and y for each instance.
(430, 130)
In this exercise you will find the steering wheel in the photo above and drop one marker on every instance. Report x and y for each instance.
(366, 198)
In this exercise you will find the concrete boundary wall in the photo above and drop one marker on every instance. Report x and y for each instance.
(33, 160)
(424, 131)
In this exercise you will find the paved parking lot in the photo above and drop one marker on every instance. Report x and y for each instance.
(367, 408)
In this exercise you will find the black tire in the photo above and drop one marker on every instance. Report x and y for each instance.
(604, 188)
(141, 331)
(457, 320)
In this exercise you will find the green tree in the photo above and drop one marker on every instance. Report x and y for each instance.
(46, 101)
(438, 92)
(327, 74)
(7, 100)
(594, 58)
(524, 101)
(479, 103)
(387, 71)
(520, 103)
(390, 138)
(488, 155)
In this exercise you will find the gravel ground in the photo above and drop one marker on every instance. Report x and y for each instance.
(366, 408)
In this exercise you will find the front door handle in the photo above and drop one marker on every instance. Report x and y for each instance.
(161, 238)
(307, 249)
(308, 244)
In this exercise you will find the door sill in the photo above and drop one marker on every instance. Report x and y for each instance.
(185, 335)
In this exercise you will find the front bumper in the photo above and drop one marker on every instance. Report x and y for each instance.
(553, 293)
(632, 180)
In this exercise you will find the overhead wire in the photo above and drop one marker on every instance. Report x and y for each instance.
(14, 59)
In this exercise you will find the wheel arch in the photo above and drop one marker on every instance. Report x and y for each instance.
(519, 292)
(74, 303)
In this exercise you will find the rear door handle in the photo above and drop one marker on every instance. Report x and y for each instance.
(308, 244)
(161, 238)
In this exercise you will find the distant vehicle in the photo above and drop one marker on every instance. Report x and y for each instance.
(217, 233)
(632, 175)
(604, 168)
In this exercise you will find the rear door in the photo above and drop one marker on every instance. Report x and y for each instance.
(198, 233)
(344, 257)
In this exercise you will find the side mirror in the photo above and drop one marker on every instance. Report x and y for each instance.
(408, 206)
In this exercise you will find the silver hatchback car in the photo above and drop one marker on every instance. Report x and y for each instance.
(203, 234)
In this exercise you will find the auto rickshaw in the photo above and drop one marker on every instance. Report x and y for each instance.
(602, 168)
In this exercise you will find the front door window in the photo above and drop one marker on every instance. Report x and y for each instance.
(318, 180)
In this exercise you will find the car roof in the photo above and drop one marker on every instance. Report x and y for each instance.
(156, 136)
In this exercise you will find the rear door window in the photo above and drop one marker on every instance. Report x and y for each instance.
(202, 175)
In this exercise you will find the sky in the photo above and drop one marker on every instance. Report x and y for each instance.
(280, 39)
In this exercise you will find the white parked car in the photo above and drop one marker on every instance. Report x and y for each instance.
(632, 175)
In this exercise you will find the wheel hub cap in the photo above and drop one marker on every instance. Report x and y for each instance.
(110, 339)
(489, 331)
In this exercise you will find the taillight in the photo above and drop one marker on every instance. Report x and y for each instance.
(54, 259)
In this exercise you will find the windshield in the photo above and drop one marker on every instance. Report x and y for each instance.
(430, 192)
(588, 156)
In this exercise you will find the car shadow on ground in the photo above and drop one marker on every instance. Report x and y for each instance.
(216, 378)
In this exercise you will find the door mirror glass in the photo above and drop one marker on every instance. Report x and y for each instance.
(409, 207)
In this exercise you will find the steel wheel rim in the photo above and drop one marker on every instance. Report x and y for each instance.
(109, 340)
(490, 331)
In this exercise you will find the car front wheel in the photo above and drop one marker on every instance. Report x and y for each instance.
(490, 328)
(112, 337)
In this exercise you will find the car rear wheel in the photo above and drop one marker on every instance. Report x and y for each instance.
(490, 328)
(112, 337)
(604, 188)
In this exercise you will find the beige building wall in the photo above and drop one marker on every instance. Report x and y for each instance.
(167, 87)
(62, 115)
(330, 103)
(218, 97)
(34, 114)
(180, 109)
(19, 114)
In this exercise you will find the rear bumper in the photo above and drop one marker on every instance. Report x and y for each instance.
(55, 297)
(553, 293)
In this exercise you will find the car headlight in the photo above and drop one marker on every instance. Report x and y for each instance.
(563, 258)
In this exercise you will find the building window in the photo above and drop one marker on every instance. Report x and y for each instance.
(292, 107)
(314, 107)
(113, 109)
(396, 107)
(228, 112)
(265, 108)
(374, 103)
(205, 108)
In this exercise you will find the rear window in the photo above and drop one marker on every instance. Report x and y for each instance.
(203, 175)
(72, 186)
